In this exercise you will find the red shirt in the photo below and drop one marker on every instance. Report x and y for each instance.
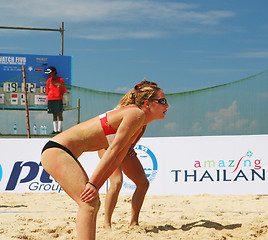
(55, 89)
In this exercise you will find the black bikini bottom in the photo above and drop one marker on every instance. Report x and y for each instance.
(51, 144)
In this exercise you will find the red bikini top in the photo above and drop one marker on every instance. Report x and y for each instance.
(107, 128)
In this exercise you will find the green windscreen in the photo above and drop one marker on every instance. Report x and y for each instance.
(235, 108)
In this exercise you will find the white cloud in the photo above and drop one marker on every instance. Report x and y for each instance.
(253, 125)
(224, 113)
(252, 54)
(263, 54)
(170, 127)
(223, 118)
(264, 94)
(110, 34)
(134, 19)
(122, 89)
(197, 128)
(221, 70)
(229, 119)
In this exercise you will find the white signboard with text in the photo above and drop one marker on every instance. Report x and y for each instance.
(173, 166)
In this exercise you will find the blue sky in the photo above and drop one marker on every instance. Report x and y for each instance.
(182, 45)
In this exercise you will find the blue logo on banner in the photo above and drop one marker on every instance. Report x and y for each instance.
(149, 163)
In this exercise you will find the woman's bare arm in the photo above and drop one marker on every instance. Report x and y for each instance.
(127, 132)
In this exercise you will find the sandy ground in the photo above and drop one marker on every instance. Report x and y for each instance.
(37, 216)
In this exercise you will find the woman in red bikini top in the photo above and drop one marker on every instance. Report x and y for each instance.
(109, 131)
(142, 105)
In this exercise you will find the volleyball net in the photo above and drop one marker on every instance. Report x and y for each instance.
(235, 108)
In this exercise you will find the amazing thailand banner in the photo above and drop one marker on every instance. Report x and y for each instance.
(209, 165)
(173, 166)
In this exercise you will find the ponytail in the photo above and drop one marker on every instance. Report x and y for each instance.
(141, 92)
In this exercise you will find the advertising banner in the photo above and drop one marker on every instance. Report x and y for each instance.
(21, 170)
(11, 80)
(209, 165)
(173, 166)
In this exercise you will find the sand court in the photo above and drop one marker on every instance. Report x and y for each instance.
(46, 216)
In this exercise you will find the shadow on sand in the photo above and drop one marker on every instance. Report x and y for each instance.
(189, 226)
(9, 206)
(167, 227)
(208, 224)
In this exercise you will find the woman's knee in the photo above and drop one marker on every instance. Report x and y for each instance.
(91, 208)
(116, 183)
(143, 184)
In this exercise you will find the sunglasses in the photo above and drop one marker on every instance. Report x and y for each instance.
(162, 101)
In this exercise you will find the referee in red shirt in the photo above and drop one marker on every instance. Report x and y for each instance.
(55, 90)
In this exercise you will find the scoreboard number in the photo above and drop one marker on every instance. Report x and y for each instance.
(10, 87)
(30, 87)
(43, 89)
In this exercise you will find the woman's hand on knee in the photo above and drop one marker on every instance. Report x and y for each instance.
(89, 193)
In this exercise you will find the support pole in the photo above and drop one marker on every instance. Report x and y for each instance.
(61, 30)
(78, 110)
(62, 37)
(26, 102)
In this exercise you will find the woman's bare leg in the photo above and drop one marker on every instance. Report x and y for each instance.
(72, 178)
(133, 169)
(116, 180)
(86, 220)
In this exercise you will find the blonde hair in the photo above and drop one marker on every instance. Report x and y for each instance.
(141, 92)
